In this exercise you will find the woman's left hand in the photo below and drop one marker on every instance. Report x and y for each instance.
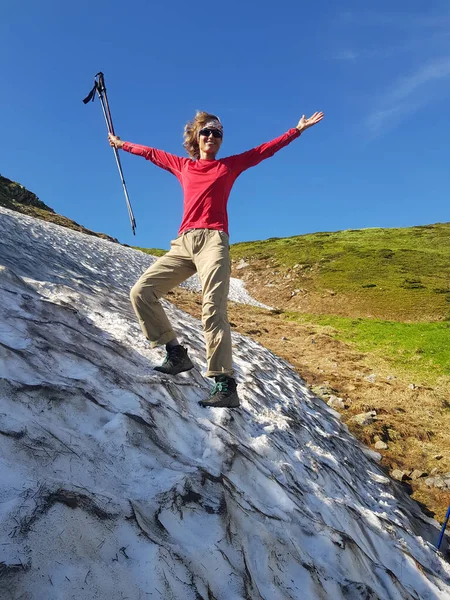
(305, 123)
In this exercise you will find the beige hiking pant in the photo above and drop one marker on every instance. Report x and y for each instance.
(206, 251)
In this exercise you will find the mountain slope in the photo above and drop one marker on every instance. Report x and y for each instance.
(398, 274)
(15, 197)
(116, 484)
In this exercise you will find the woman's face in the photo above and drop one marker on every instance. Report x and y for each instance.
(209, 142)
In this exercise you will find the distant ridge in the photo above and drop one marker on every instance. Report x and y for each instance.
(16, 197)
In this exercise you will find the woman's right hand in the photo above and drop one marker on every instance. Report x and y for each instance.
(115, 141)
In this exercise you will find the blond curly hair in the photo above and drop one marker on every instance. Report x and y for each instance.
(191, 130)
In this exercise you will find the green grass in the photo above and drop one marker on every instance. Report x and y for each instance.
(407, 268)
(351, 259)
(152, 251)
(421, 349)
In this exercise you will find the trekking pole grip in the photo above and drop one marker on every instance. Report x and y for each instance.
(101, 82)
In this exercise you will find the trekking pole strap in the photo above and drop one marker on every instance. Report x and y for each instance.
(91, 95)
(99, 86)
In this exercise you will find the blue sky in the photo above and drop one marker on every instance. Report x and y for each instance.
(380, 73)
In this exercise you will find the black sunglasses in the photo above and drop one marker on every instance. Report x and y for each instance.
(207, 132)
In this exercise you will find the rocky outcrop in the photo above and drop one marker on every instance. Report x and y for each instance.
(15, 197)
(12, 192)
(439, 481)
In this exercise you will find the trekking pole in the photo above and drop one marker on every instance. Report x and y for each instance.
(441, 537)
(100, 89)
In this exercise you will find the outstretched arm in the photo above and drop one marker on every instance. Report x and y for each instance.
(251, 158)
(169, 162)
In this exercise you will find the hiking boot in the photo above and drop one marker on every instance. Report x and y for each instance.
(223, 394)
(176, 361)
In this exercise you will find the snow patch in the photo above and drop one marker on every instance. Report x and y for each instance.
(115, 483)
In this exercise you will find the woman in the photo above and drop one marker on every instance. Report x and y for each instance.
(201, 246)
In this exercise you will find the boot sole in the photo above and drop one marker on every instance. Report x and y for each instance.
(207, 405)
(161, 370)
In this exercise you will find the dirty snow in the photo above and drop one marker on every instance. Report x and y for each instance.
(115, 484)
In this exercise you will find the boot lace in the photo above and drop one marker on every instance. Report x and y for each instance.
(219, 386)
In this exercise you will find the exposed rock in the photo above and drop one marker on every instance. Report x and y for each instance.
(438, 456)
(371, 378)
(399, 475)
(336, 403)
(297, 291)
(380, 445)
(10, 190)
(14, 196)
(412, 386)
(441, 482)
(364, 419)
(242, 264)
(417, 474)
(321, 390)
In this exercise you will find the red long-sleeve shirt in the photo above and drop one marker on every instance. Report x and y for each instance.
(207, 183)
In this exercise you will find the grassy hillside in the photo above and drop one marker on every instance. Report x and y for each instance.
(401, 274)
(152, 251)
